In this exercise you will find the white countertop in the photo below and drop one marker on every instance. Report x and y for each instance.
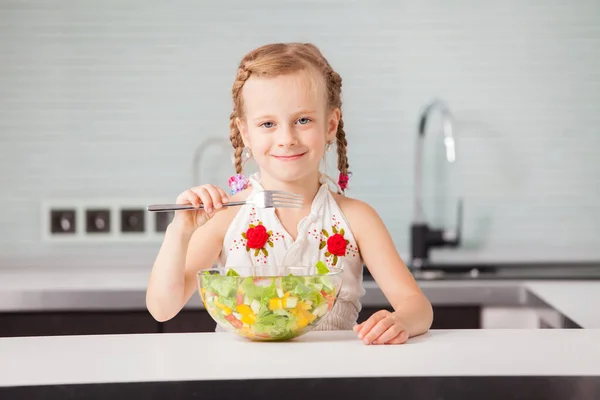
(579, 301)
(218, 356)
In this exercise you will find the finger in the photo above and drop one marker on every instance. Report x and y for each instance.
(377, 330)
(204, 198)
(391, 333)
(358, 327)
(402, 337)
(371, 322)
(224, 197)
(215, 196)
(188, 197)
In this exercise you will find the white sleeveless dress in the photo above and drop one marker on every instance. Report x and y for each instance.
(324, 221)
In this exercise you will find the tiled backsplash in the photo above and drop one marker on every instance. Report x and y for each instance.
(110, 99)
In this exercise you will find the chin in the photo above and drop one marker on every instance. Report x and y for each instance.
(288, 177)
(290, 174)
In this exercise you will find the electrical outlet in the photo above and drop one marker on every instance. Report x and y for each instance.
(97, 220)
(63, 221)
(102, 220)
(133, 220)
(162, 220)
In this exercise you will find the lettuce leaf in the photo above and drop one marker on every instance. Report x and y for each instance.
(321, 267)
(260, 293)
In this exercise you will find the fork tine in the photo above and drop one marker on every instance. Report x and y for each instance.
(278, 205)
(283, 198)
(287, 195)
(284, 201)
(281, 192)
(286, 205)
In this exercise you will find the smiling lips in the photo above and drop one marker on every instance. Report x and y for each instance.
(289, 158)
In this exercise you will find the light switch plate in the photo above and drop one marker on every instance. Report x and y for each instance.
(109, 210)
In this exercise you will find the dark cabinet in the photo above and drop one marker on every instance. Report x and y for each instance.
(444, 317)
(140, 321)
(100, 323)
(190, 321)
(76, 323)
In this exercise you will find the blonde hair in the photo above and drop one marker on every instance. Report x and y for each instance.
(283, 58)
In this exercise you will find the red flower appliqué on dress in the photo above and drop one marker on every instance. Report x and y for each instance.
(336, 244)
(257, 237)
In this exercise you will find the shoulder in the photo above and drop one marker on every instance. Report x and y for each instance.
(361, 217)
(373, 238)
(354, 209)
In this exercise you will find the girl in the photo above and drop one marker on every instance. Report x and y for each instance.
(286, 115)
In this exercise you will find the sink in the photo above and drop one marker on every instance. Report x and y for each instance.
(505, 271)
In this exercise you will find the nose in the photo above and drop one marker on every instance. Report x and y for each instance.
(286, 136)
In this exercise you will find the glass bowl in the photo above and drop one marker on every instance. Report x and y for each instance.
(267, 303)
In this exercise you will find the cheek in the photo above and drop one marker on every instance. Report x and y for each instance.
(317, 143)
(260, 143)
(313, 137)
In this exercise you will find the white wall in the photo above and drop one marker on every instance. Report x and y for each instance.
(108, 99)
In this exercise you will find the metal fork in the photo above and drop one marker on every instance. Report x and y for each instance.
(262, 199)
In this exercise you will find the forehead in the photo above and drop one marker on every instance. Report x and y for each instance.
(283, 93)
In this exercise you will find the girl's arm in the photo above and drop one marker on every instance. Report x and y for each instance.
(185, 251)
(413, 313)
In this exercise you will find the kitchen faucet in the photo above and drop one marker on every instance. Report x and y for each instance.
(423, 237)
(199, 153)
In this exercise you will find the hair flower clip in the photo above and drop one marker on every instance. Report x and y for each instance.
(237, 183)
(343, 180)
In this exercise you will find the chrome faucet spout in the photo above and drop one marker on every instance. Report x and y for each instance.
(422, 237)
(199, 153)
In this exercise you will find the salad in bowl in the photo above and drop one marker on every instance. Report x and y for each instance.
(267, 303)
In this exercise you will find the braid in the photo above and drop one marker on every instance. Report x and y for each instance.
(236, 142)
(341, 144)
(242, 76)
(235, 136)
(334, 86)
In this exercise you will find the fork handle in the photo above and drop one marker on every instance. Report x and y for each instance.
(186, 207)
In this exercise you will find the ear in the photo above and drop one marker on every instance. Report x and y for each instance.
(243, 128)
(332, 124)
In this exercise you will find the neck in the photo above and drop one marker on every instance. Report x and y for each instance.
(307, 186)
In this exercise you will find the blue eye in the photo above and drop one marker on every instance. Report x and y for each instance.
(306, 121)
(267, 125)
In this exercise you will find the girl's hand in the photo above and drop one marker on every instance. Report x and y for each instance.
(210, 196)
(383, 327)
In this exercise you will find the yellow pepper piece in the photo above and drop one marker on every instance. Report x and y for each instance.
(301, 321)
(310, 316)
(286, 295)
(244, 309)
(302, 314)
(226, 310)
(248, 319)
(275, 304)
